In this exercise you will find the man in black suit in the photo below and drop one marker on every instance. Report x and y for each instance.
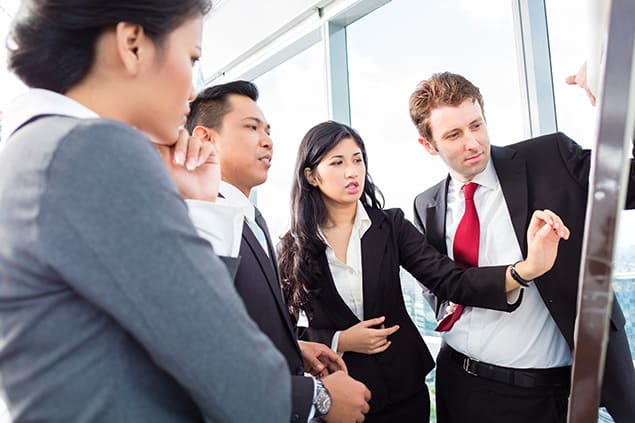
(227, 115)
(510, 367)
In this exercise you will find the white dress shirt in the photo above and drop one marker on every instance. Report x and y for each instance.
(526, 338)
(348, 277)
(220, 223)
(235, 196)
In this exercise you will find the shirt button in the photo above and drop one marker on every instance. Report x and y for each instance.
(295, 417)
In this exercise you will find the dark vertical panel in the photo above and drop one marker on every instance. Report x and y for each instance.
(606, 199)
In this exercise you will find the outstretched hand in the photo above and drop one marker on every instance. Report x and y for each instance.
(194, 167)
(320, 360)
(363, 338)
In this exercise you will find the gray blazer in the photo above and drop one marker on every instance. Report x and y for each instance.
(112, 309)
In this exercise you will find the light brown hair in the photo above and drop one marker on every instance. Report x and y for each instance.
(442, 89)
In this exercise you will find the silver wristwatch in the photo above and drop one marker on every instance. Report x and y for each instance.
(322, 400)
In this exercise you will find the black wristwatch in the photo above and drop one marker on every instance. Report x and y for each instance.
(521, 281)
(322, 400)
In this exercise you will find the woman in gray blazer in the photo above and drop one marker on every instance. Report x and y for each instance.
(112, 309)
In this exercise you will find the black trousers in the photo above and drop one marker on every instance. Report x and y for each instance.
(462, 397)
(618, 388)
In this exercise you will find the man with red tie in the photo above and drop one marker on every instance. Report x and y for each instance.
(493, 366)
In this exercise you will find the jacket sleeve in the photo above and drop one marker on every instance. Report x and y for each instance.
(322, 336)
(437, 305)
(119, 234)
(478, 286)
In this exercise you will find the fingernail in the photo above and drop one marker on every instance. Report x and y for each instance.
(191, 164)
(179, 158)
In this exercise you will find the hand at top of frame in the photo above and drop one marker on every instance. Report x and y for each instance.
(580, 79)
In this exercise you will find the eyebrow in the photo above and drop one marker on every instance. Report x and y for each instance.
(340, 156)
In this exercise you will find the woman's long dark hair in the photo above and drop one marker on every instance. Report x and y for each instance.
(301, 245)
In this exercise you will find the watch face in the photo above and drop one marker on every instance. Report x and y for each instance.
(323, 402)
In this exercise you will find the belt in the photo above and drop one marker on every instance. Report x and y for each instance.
(524, 378)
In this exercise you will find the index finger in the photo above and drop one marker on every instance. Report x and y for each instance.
(334, 362)
(180, 147)
(388, 331)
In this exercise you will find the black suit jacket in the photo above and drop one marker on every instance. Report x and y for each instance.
(548, 172)
(258, 284)
(391, 242)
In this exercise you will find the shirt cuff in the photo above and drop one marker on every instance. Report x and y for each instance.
(220, 223)
(335, 342)
(513, 296)
(312, 411)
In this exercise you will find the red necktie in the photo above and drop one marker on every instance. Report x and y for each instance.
(466, 240)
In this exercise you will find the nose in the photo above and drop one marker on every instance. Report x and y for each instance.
(266, 141)
(192, 94)
(471, 142)
(351, 171)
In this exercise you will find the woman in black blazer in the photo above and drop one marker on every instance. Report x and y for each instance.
(340, 263)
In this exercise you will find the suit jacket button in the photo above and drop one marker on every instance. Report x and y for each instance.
(295, 417)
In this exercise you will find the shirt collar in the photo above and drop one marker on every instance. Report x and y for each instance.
(234, 195)
(362, 221)
(37, 102)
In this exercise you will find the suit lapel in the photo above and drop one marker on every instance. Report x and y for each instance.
(435, 217)
(512, 175)
(373, 246)
(344, 315)
(269, 270)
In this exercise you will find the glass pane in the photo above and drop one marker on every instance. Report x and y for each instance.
(577, 118)
(575, 115)
(293, 99)
(419, 38)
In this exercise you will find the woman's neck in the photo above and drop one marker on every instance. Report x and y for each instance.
(340, 215)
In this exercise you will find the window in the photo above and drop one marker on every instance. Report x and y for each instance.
(578, 119)
(293, 99)
(420, 38)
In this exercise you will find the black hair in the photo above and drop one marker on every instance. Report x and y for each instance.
(52, 42)
(212, 104)
(301, 245)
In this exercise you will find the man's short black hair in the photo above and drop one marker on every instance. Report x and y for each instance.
(212, 104)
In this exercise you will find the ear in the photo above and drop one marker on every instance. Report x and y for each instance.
(131, 45)
(310, 177)
(430, 148)
(203, 133)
